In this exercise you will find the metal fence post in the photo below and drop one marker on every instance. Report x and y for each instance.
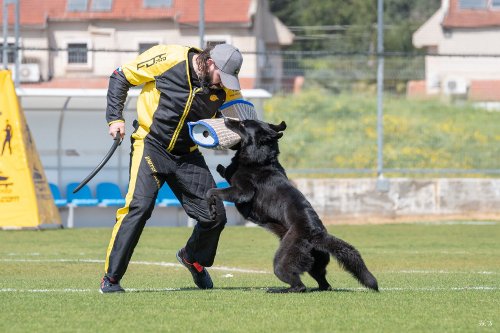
(201, 27)
(5, 33)
(382, 184)
(16, 34)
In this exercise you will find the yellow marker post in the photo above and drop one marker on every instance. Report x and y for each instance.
(25, 197)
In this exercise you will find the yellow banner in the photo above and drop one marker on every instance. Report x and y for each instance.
(25, 197)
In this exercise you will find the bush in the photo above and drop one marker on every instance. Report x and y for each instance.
(340, 131)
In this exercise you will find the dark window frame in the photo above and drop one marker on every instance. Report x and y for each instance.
(11, 53)
(101, 5)
(78, 53)
(157, 3)
(144, 46)
(77, 5)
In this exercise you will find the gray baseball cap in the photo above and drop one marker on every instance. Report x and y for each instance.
(228, 59)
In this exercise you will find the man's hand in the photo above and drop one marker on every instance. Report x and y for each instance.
(118, 127)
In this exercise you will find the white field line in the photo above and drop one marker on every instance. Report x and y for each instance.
(423, 252)
(235, 269)
(457, 223)
(71, 290)
(438, 272)
(240, 270)
(425, 289)
(483, 288)
(147, 263)
(395, 289)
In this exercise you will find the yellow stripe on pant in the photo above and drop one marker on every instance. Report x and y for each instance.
(138, 152)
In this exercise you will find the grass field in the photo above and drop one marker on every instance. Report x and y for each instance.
(433, 277)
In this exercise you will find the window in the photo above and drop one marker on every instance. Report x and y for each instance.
(473, 4)
(146, 46)
(101, 5)
(77, 5)
(215, 42)
(157, 3)
(212, 40)
(10, 53)
(77, 53)
(495, 4)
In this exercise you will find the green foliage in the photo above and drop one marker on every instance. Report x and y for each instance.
(346, 34)
(433, 278)
(401, 17)
(340, 131)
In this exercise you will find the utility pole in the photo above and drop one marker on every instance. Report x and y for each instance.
(382, 184)
(201, 26)
(5, 33)
(16, 34)
(5, 47)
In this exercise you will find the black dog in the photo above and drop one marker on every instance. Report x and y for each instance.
(263, 194)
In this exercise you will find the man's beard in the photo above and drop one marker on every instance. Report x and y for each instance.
(206, 82)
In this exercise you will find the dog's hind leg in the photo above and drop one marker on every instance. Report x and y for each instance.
(292, 259)
(318, 270)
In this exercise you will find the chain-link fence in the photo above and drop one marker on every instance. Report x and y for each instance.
(432, 125)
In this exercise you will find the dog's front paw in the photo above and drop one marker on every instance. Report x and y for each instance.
(212, 204)
(221, 170)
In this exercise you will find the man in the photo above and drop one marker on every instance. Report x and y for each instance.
(181, 84)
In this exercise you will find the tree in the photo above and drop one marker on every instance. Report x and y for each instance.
(351, 25)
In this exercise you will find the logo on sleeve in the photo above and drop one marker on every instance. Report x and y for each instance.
(152, 61)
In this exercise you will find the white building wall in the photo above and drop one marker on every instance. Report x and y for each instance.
(127, 36)
(471, 41)
(439, 70)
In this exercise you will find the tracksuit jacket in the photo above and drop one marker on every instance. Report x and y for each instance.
(162, 149)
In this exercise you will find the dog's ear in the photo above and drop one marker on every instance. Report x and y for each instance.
(278, 128)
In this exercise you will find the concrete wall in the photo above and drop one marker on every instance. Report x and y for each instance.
(353, 201)
(338, 200)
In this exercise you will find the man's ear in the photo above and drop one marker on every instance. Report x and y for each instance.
(278, 128)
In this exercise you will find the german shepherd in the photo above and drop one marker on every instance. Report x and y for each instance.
(263, 194)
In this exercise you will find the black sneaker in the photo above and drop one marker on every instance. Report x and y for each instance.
(110, 287)
(200, 275)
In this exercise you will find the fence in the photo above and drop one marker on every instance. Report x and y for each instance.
(433, 125)
(333, 121)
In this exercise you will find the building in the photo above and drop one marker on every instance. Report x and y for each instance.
(69, 48)
(464, 35)
(67, 43)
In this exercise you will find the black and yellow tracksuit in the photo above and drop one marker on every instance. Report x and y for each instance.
(162, 150)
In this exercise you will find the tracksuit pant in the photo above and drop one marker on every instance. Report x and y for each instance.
(189, 178)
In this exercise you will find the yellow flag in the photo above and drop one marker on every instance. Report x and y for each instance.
(25, 197)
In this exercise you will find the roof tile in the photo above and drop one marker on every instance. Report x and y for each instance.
(37, 12)
(468, 18)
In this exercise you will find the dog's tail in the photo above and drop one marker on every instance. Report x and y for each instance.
(349, 258)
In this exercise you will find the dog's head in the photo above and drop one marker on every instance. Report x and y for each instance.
(259, 140)
(255, 132)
